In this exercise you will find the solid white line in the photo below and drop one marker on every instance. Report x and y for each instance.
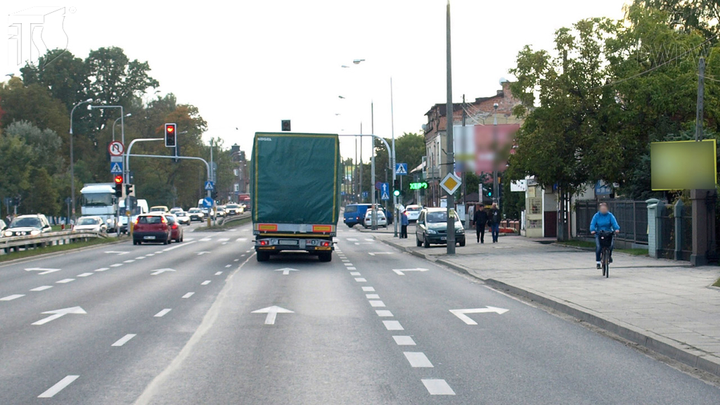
(228, 266)
(393, 325)
(372, 296)
(437, 387)
(64, 281)
(12, 297)
(377, 304)
(85, 275)
(360, 280)
(355, 273)
(162, 313)
(368, 289)
(102, 269)
(206, 282)
(129, 261)
(417, 359)
(188, 295)
(116, 265)
(124, 339)
(404, 340)
(41, 288)
(383, 313)
(218, 273)
(59, 386)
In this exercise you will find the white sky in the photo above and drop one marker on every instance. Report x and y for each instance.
(249, 64)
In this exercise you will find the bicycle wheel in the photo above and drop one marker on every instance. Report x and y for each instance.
(606, 262)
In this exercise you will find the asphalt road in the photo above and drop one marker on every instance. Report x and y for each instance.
(196, 323)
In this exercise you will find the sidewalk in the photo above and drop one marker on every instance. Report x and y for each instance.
(666, 306)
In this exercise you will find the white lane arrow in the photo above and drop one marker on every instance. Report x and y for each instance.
(272, 313)
(59, 313)
(461, 313)
(43, 270)
(202, 253)
(401, 272)
(286, 270)
(160, 271)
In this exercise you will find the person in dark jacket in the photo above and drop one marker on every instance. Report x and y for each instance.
(495, 222)
(480, 218)
(403, 225)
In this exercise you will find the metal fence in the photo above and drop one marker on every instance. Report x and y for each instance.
(631, 216)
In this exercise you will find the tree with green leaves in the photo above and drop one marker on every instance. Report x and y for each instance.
(42, 197)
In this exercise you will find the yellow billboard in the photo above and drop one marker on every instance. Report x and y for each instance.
(683, 165)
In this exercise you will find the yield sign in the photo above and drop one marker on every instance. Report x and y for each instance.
(462, 313)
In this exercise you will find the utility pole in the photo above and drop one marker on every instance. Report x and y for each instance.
(396, 209)
(464, 188)
(361, 165)
(449, 131)
(495, 156)
(355, 173)
(373, 195)
(700, 101)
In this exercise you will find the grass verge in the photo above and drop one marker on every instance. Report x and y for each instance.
(55, 248)
(717, 283)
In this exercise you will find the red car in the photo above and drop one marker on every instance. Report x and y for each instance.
(151, 227)
(176, 230)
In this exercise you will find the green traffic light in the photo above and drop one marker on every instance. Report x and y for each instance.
(396, 193)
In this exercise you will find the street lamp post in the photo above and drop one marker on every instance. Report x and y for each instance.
(449, 118)
(122, 131)
(495, 158)
(72, 163)
(115, 122)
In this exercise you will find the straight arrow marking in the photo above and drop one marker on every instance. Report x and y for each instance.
(272, 313)
(401, 272)
(42, 270)
(461, 313)
(286, 271)
(59, 313)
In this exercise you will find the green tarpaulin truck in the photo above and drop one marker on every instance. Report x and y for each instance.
(295, 193)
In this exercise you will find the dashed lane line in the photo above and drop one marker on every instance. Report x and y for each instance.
(116, 265)
(12, 297)
(65, 281)
(355, 273)
(418, 360)
(59, 386)
(124, 339)
(372, 296)
(41, 288)
(383, 313)
(85, 275)
(206, 282)
(217, 273)
(404, 340)
(188, 295)
(162, 313)
(102, 269)
(393, 325)
(437, 387)
(368, 289)
(360, 280)
(377, 304)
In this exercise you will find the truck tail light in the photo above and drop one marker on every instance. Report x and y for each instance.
(263, 243)
(326, 244)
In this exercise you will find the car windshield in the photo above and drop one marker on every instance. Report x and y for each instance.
(150, 219)
(233, 206)
(88, 221)
(97, 199)
(434, 217)
(350, 209)
(194, 210)
(26, 223)
(414, 209)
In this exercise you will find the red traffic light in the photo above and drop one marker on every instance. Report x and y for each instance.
(118, 179)
(170, 128)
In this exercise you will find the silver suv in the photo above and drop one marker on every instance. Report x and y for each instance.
(28, 225)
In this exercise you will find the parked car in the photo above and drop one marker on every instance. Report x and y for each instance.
(183, 218)
(3, 226)
(196, 214)
(380, 218)
(25, 225)
(159, 208)
(151, 227)
(176, 230)
(355, 214)
(90, 223)
(220, 212)
(234, 209)
(413, 212)
(432, 228)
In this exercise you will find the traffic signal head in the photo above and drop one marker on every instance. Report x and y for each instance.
(128, 189)
(170, 135)
(118, 185)
(396, 193)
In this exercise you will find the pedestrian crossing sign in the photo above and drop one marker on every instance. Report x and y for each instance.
(401, 169)
(116, 168)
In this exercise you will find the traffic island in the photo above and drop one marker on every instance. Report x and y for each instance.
(668, 307)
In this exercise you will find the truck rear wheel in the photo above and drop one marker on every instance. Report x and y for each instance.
(263, 256)
(325, 256)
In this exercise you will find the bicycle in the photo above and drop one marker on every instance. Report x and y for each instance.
(606, 239)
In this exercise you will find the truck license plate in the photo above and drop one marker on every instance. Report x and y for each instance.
(288, 242)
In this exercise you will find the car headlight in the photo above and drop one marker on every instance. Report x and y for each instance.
(34, 232)
(8, 233)
(431, 232)
(459, 230)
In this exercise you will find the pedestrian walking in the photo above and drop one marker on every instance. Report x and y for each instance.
(480, 218)
(404, 224)
(495, 222)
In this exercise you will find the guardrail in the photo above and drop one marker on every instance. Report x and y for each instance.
(46, 239)
(232, 218)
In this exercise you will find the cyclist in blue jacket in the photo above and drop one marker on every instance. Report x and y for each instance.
(603, 220)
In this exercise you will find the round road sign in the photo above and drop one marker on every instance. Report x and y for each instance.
(116, 148)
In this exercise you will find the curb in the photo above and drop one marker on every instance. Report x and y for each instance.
(53, 254)
(657, 344)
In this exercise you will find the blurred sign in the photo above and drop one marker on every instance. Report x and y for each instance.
(519, 186)
(683, 165)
